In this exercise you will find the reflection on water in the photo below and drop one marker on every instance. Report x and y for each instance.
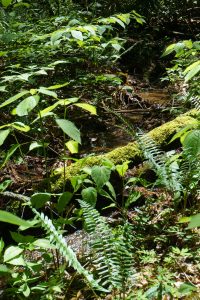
(161, 97)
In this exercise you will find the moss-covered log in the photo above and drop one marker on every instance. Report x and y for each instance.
(130, 152)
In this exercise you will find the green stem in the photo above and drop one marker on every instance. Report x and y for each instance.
(20, 149)
(64, 147)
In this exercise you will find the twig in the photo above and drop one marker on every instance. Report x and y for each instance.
(15, 196)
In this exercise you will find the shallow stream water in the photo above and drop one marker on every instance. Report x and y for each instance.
(104, 134)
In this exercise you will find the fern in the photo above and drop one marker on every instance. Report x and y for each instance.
(60, 243)
(196, 102)
(112, 252)
(190, 167)
(166, 168)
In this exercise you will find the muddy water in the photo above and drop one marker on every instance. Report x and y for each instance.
(112, 134)
(161, 97)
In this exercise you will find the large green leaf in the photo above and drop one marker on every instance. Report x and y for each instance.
(14, 98)
(77, 35)
(192, 142)
(192, 70)
(63, 200)
(17, 261)
(11, 253)
(57, 86)
(88, 107)
(89, 195)
(100, 175)
(70, 129)
(6, 3)
(12, 219)
(38, 200)
(26, 105)
(3, 135)
(194, 222)
(43, 243)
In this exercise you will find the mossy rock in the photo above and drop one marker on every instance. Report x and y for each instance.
(129, 152)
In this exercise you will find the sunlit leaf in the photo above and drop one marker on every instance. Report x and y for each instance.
(35, 145)
(192, 70)
(17, 261)
(44, 244)
(20, 126)
(11, 253)
(3, 135)
(77, 35)
(191, 142)
(6, 3)
(169, 50)
(72, 146)
(194, 222)
(3, 88)
(88, 107)
(25, 106)
(121, 169)
(14, 98)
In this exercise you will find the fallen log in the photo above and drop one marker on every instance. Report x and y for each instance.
(129, 152)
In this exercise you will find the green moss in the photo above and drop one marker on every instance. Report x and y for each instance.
(160, 134)
(128, 152)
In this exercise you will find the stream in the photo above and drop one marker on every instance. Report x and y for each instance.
(102, 134)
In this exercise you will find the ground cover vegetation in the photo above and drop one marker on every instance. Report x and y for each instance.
(122, 224)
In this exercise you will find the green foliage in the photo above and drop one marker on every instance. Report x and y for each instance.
(186, 68)
(65, 250)
(112, 249)
(59, 56)
(12, 219)
(165, 165)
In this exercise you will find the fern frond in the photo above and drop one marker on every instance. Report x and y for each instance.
(196, 102)
(66, 251)
(190, 170)
(165, 167)
(112, 252)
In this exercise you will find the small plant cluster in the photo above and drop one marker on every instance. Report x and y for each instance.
(186, 69)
